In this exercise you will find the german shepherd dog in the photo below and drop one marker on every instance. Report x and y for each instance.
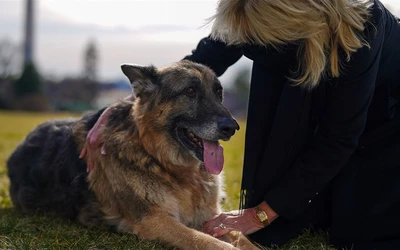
(159, 178)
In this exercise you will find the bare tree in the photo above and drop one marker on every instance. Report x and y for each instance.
(9, 57)
(89, 87)
(91, 61)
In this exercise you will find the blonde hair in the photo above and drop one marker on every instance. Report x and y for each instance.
(323, 27)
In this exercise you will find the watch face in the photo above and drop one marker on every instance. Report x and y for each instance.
(262, 216)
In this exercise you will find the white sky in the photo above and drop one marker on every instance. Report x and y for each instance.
(136, 13)
(147, 31)
(133, 13)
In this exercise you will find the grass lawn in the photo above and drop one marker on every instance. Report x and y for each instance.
(38, 232)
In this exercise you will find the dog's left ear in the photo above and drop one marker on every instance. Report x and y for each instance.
(143, 79)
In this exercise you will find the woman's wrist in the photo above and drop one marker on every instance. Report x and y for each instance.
(271, 214)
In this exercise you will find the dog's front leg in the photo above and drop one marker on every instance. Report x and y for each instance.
(160, 226)
(240, 241)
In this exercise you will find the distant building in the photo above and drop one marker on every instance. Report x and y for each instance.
(109, 93)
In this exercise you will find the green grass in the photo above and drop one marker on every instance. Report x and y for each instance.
(39, 232)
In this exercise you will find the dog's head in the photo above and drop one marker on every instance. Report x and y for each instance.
(179, 113)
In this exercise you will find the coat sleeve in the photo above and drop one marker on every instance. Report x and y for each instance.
(215, 54)
(339, 128)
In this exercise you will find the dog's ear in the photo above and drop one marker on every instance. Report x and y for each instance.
(143, 79)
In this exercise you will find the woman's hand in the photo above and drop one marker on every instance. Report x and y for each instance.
(93, 140)
(245, 221)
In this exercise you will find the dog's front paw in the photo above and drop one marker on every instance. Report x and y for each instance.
(238, 240)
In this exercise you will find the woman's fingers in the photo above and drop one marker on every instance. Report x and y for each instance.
(89, 161)
(209, 226)
(220, 225)
(93, 140)
(221, 230)
(213, 222)
(94, 136)
(103, 150)
(83, 152)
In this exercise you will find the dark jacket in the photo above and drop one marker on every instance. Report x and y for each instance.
(297, 141)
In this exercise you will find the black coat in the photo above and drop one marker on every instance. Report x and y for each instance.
(298, 141)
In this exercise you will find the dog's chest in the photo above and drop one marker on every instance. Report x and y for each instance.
(197, 202)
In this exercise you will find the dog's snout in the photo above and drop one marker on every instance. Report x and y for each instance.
(228, 126)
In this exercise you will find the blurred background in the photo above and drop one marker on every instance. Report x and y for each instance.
(64, 55)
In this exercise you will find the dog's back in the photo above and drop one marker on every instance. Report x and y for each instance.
(46, 174)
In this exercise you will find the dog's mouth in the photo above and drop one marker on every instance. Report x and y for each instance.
(209, 152)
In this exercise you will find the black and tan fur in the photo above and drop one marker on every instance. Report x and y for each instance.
(150, 183)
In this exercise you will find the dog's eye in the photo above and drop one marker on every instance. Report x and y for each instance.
(190, 91)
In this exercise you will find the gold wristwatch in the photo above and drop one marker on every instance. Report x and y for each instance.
(262, 216)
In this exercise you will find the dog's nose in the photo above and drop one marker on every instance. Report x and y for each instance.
(228, 126)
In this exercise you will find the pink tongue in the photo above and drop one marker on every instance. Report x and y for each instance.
(213, 156)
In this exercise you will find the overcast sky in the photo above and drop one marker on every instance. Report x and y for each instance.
(144, 32)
